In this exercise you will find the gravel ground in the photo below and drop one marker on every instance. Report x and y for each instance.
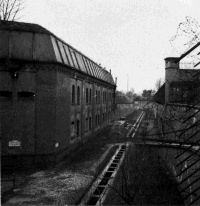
(68, 181)
(140, 181)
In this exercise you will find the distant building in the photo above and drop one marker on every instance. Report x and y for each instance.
(182, 85)
(177, 109)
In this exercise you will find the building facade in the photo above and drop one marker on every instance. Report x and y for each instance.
(178, 114)
(52, 96)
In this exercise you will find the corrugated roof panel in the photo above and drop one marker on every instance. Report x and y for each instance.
(112, 81)
(109, 79)
(75, 54)
(86, 65)
(94, 69)
(89, 65)
(98, 71)
(104, 75)
(80, 62)
(101, 73)
(74, 58)
(63, 53)
(33, 42)
(56, 49)
(107, 75)
(68, 55)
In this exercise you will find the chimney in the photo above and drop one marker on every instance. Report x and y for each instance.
(171, 74)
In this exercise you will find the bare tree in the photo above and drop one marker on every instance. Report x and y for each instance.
(158, 84)
(9, 9)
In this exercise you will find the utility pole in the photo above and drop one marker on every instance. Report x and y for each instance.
(127, 82)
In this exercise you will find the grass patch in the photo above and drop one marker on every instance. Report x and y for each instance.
(143, 181)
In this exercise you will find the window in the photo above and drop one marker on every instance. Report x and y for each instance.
(86, 125)
(78, 95)
(25, 95)
(175, 94)
(87, 96)
(77, 128)
(99, 97)
(5, 95)
(73, 94)
(90, 96)
(95, 120)
(90, 123)
(72, 131)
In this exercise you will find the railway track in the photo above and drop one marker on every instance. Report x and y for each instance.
(101, 186)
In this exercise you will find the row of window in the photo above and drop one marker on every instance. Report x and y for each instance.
(24, 95)
(75, 125)
(182, 94)
(88, 96)
(105, 117)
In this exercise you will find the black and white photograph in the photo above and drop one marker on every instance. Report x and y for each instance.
(100, 102)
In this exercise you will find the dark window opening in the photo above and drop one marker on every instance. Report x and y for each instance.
(96, 120)
(25, 95)
(90, 96)
(77, 128)
(99, 97)
(87, 96)
(5, 94)
(73, 94)
(90, 123)
(86, 125)
(72, 131)
(78, 95)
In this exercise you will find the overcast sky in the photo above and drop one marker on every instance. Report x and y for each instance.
(130, 37)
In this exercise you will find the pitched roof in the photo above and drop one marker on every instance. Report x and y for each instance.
(33, 42)
(23, 27)
(159, 96)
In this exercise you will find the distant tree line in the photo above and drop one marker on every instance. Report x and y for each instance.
(130, 96)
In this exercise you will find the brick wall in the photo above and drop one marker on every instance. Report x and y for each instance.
(45, 101)
(171, 74)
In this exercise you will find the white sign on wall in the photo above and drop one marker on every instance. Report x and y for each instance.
(14, 143)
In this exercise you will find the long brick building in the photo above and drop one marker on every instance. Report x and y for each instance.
(52, 96)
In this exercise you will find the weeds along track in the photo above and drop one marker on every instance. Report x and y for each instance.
(100, 188)
(134, 128)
